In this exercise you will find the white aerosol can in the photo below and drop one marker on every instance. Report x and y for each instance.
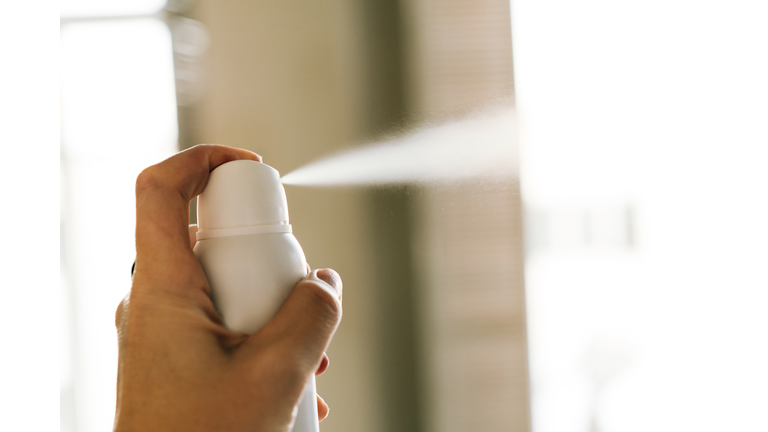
(249, 254)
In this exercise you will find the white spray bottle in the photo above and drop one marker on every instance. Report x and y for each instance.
(251, 258)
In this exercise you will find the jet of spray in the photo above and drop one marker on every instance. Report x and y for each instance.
(483, 145)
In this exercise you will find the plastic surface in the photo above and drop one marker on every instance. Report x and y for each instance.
(240, 194)
(249, 255)
(251, 275)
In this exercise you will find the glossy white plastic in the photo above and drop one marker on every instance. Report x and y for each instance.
(251, 258)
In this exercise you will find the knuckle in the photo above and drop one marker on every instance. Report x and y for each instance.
(200, 152)
(281, 365)
(289, 368)
(202, 148)
(322, 300)
(120, 312)
(148, 179)
(200, 155)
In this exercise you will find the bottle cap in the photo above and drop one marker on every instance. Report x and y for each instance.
(242, 197)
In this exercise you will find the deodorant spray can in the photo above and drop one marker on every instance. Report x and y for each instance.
(249, 254)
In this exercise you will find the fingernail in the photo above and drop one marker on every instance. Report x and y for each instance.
(331, 278)
(323, 415)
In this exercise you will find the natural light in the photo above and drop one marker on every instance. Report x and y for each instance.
(651, 116)
(643, 175)
(118, 117)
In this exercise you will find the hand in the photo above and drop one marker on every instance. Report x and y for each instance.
(179, 368)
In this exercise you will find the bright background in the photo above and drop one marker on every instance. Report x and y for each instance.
(642, 183)
(118, 110)
(644, 155)
(29, 141)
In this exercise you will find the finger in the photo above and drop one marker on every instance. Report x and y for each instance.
(322, 409)
(192, 235)
(306, 322)
(121, 318)
(323, 365)
(119, 313)
(163, 192)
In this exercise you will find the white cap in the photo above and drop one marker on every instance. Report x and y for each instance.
(242, 197)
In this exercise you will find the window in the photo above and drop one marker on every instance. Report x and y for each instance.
(647, 121)
(118, 109)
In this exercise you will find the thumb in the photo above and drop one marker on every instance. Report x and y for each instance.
(303, 327)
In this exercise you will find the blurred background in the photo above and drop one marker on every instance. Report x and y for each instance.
(614, 281)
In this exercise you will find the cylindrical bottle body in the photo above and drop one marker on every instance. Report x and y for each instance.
(251, 275)
(250, 278)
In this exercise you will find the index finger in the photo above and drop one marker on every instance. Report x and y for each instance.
(163, 192)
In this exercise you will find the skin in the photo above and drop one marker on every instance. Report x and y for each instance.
(179, 368)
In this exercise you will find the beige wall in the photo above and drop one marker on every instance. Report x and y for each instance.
(467, 237)
(295, 80)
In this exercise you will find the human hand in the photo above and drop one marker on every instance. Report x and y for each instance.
(179, 368)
